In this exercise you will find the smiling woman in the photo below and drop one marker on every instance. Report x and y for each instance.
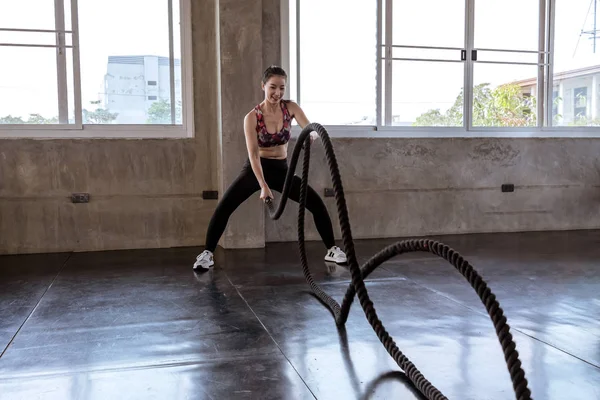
(267, 129)
(65, 79)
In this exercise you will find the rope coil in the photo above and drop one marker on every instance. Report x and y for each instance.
(358, 274)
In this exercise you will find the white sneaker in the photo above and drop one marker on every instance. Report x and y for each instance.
(336, 255)
(204, 261)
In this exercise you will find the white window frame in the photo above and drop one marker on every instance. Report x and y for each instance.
(545, 80)
(78, 130)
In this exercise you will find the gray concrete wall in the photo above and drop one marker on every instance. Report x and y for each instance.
(415, 187)
(249, 42)
(241, 66)
(143, 194)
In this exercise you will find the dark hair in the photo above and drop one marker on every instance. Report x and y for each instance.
(273, 70)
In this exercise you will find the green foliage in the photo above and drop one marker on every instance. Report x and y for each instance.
(9, 119)
(33, 119)
(38, 119)
(503, 106)
(584, 121)
(99, 115)
(160, 112)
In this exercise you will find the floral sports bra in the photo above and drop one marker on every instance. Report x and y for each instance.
(266, 139)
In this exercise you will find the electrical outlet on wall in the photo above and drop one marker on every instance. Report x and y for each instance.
(210, 195)
(77, 198)
(508, 187)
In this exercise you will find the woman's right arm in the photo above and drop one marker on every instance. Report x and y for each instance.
(254, 155)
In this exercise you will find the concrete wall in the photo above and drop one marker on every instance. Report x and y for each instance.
(241, 67)
(414, 187)
(248, 46)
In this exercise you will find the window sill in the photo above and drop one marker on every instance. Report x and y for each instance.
(97, 132)
(353, 131)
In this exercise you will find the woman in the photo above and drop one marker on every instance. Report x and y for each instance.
(266, 167)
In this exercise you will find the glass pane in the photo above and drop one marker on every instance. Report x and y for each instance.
(338, 64)
(407, 52)
(429, 23)
(507, 24)
(19, 15)
(29, 91)
(34, 38)
(504, 95)
(67, 4)
(125, 70)
(576, 65)
(505, 56)
(427, 93)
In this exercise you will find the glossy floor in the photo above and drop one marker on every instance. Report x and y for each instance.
(142, 325)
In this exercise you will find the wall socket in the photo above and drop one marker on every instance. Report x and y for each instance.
(210, 195)
(508, 187)
(328, 192)
(80, 198)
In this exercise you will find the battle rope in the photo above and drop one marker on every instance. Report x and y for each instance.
(358, 274)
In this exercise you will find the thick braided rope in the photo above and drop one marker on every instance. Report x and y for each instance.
(357, 287)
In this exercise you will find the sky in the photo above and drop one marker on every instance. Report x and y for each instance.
(338, 48)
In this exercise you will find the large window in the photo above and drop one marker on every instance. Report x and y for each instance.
(76, 64)
(336, 67)
(422, 64)
(460, 64)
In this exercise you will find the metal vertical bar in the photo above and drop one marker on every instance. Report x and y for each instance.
(388, 62)
(171, 61)
(378, 94)
(183, 62)
(187, 92)
(542, 99)
(595, 17)
(61, 62)
(76, 63)
(551, 18)
(298, 88)
(469, 45)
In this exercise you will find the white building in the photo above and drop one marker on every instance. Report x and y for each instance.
(576, 93)
(133, 83)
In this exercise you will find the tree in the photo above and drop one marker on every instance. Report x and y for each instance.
(160, 112)
(9, 119)
(36, 119)
(585, 121)
(503, 106)
(98, 116)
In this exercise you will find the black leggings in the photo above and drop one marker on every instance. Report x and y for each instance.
(246, 184)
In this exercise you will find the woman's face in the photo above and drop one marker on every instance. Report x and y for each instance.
(274, 89)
